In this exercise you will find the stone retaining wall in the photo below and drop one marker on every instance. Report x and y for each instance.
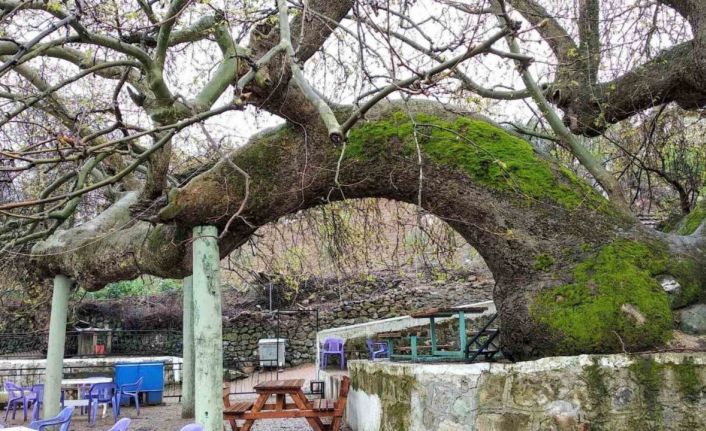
(361, 302)
(663, 391)
(245, 321)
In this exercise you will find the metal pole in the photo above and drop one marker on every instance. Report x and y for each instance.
(55, 348)
(187, 384)
(208, 329)
(277, 344)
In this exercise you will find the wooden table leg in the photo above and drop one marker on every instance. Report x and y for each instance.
(304, 404)
(280, 403)
(261, 401)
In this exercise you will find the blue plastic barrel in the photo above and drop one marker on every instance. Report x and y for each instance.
(152, 374)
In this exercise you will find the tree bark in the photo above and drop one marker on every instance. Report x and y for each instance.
(572, 274)
(675, 75)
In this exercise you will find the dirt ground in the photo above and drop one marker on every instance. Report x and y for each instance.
(166, 417)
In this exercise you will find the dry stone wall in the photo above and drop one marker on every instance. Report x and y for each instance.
(326, 305)
(242, 332)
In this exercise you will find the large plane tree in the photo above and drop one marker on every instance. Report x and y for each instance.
(118, 116)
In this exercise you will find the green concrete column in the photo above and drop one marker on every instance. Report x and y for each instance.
(187, 370)
(55, 350)
(432, 335)
(208, 330)
(462, 332)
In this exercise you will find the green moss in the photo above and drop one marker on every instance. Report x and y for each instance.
(395, 393)
(692, 279)
(598, 394)
(172, 208)
(543, 262)
(687, 376)
(260, 159)
(588, 315)
(157, 238)
(488, 154)
(649, 376)
(693, 220)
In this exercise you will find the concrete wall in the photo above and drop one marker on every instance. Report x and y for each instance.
(27, 372)
(369, 329)
(663, 391)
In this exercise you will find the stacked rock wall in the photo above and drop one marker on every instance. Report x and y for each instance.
(326, 306)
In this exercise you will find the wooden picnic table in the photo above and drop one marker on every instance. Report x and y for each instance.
(300, 407)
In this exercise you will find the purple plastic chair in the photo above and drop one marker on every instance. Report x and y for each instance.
(192, 427)
(36, 398)
(63, 419)
(132, 390)
(377, 350)
(121, 425)
(102, 393)
(333, 346)
(15, 397)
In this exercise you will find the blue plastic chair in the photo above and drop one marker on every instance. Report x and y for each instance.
(63, 419)
(15, 398)
(377, 350)
(121, 425)
(192, 427)
(333, 346)
(132, 390)
(102, 393)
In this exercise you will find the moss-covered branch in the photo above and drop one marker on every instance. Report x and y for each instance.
(572, 274)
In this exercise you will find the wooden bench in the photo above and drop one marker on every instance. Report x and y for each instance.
(334, 409)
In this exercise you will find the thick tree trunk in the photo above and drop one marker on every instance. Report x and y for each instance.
(572, 274)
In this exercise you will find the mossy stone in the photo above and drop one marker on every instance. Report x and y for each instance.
(693, 220)
(649, 376)
(688, 380)
(395, 393)
(589, 314)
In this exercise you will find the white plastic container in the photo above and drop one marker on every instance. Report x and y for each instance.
(272, 352)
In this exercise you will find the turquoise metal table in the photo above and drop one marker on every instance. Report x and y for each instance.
(435, 353)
